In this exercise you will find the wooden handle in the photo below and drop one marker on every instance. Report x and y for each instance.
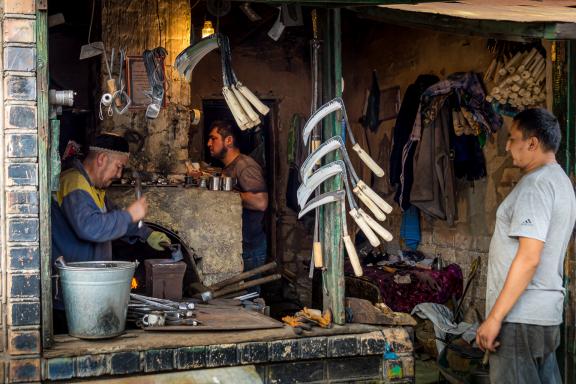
(365, 157)
(260, 106)
(252, 115)
(370, 235)
(244, 275)
(380, 202)
(241, 286)
(376, 227)
(237, 111)
(353, 256)
(111, 85)
(370, 204)
(317, 251)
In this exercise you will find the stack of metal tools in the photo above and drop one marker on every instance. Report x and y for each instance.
(148, 311)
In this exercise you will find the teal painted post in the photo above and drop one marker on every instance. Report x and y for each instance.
(55, 166)
(44, 174)
(333, 277)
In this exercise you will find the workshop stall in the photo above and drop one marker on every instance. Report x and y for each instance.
(326, 96)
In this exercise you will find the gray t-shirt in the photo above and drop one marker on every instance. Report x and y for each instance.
(542, 206)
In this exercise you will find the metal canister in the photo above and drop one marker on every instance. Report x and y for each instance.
(214, 183)
(228, 183)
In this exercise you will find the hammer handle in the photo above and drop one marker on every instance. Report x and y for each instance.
(243, 276)
(241, 286)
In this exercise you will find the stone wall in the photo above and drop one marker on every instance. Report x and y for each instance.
(137, 26)
(200, 226)
(19, 201)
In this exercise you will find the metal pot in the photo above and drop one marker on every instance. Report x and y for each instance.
(228, 183)
(214, 183)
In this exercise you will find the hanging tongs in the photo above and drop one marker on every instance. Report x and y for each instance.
(121, 99)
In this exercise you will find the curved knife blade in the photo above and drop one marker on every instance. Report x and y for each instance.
(322, 112)
(325, 198)
(322, 174)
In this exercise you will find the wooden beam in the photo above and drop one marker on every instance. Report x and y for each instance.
(337, 3)
(331, 229)
(566, 351)
(44, 177)
(510, 30)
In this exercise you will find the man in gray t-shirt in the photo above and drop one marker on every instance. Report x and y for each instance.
(524, 295)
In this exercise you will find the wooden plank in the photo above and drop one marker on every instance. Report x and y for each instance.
(336, 3)
(138, 340)
(44, 177)
(467, 26)
(567, 358)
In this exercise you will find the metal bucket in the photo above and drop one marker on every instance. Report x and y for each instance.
(96, 296)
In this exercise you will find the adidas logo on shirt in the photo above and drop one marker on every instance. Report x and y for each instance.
(526, 222)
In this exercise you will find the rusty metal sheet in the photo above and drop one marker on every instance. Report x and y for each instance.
(225, 318)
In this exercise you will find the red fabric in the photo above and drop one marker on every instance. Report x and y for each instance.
(425, 286)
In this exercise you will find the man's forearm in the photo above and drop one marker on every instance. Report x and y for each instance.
(519, 277)
(256, 201)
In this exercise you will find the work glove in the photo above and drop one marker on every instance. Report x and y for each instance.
(156, 238)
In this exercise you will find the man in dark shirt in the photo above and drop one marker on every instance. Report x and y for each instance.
(252, 187)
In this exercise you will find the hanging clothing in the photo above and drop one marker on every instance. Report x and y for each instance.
(410, 228)
(434, 187)
(372, 118)
(405, 123)
(428, 158)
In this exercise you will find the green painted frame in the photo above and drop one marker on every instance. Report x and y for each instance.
(44, 172)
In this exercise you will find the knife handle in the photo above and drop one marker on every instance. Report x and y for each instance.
(370, 235)
(365, 157)
(317, 252)
(380, 202)
(353, 256)
(370, 204)
(376, 227)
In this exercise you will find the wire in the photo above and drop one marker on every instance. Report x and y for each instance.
(193, 6)
(91, 20)
(159, 23)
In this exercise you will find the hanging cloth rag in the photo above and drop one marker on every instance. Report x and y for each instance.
(372, 118)
(410, 228)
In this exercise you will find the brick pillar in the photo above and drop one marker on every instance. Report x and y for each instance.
(19, 204)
